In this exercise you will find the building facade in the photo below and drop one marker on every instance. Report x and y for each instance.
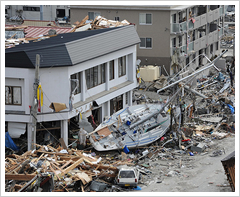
(37, 12)
(91, 72)
(170, 34)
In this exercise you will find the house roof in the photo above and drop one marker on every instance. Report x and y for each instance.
(35, 31)
(71, 48)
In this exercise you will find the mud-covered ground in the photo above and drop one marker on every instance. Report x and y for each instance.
(199, 173)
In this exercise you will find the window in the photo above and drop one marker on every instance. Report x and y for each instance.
(122, 66)
(95, 76)
(102, 73)
(13, 95)
(92, 15)
(117, 18)
(211, 48)
(60, 12)
(111, 70)
(174, 42)
(145, 19)
(76, 81)
(126, 98)
(216, 46)
(146, 43)
(27, 8)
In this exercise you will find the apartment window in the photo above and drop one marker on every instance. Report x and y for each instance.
(122, 66)
(13, 95)
(216, 46)
(76, 82)
(117, 18)
(28, 8)
(180, 41)
(111, 70)
(146, 43)
(211, 48)
(92, 15)
(60, 12)
(145, 19)
(174, 42)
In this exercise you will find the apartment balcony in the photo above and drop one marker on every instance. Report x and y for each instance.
(221, 11)
(190, 47)
(200, 43)
(190, 24)
(216, 14)
(177, 28)
(210, 16)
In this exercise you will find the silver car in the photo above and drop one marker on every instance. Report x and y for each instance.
(127, 177)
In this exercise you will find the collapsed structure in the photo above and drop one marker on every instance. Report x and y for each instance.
(207, 113)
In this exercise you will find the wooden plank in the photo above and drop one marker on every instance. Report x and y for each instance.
(54, 172)
(66, 164)
(63, 143)
(72, 166)
(19, 177)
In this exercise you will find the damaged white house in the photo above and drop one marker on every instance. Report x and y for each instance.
(89, 73)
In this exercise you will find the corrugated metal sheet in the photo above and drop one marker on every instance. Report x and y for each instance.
(33, 31)
(84, 49)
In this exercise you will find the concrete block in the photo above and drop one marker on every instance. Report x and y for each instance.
(199, 148)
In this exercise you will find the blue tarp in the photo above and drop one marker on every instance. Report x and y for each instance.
(231, 107)
(9, 143)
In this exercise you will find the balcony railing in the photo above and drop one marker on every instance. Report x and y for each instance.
(178, 27)
(190, 47)
(190, 24)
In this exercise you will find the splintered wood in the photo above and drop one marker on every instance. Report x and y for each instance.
(74, 165)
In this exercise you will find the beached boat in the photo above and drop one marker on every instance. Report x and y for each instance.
(134, 126)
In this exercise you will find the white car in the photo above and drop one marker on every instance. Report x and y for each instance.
(128, 177)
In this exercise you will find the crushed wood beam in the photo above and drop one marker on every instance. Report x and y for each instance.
(19, 177)
(66, 164)
(54, 172)
(72, 166)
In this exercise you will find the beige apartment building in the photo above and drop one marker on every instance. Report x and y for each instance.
(172, 36)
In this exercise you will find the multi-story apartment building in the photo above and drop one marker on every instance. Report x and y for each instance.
(37, 12)
(91, 72)
(164, 30)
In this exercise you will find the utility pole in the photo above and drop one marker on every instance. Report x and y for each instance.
(34, 108)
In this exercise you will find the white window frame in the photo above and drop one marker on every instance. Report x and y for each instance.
(144, 16)
(145, 47)
(94, 15)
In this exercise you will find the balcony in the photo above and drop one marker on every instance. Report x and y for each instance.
(210, 38)
(178, 27)
(210, 15)
(203, 19)
(216, 14)
(197, 45)
(190, 24)
(190, 47)
(203, 42)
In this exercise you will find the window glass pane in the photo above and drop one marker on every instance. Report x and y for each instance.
(148, 42)
(111, 69)
(124, 66)
(8, 95)
(91, 15)
(73, 83)
(17, 95)
(142, 18)
(148, 18)
(95, 79)
(103, 73)
(91, 77)
(87, 75)
(119, 66)
(143, 42)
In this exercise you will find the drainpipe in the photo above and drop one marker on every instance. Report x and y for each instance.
(41, 12)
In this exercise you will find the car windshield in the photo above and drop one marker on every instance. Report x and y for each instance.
(127, 174)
